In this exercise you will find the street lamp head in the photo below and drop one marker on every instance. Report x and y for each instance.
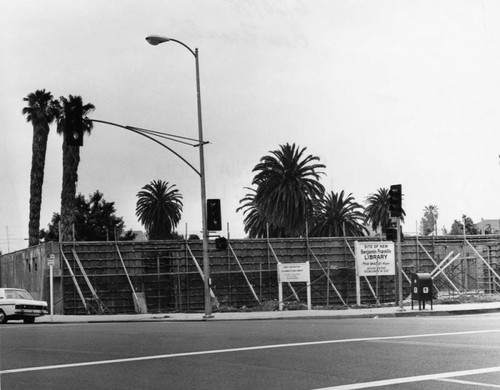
(156, 39)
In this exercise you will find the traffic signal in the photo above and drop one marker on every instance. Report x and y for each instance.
(395, 195)
(73, 126)
(214, 221)
(221, 243)
(391, 232)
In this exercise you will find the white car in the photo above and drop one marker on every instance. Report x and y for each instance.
(17, 304)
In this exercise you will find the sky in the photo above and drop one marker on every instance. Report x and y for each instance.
(382, 91)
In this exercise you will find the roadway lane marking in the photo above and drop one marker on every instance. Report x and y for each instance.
(438, 344)
(412, 379)
(242, 349)
(470, 383)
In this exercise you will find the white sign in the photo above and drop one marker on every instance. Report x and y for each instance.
(293, 272)
(375, 258)
(51, 261)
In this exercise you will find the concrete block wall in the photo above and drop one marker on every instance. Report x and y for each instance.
(167, 275)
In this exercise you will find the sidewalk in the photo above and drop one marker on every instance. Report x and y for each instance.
(381, 312)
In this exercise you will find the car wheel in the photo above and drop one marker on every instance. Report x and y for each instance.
(3, 317)
(29, 320)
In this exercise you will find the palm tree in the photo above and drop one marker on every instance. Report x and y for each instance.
(287, 186)
(256, 223)
(67, 122)
(40, 111)
(336, 217)
(429, 221)
(159, 209)
(377, 212)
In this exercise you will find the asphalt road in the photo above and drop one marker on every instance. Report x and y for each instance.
(451, 352)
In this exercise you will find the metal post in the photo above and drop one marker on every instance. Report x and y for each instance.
(51, 277)
(400, 264)
(206, 260)
(155, 40)
(51, 285)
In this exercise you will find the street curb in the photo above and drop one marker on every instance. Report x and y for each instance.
(167, 318)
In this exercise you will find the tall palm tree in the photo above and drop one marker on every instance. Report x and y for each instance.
(256, 223)
(40, 111)
(159, 209)
(66, 126)
(287, 186)
(377, 211)
(336, 216)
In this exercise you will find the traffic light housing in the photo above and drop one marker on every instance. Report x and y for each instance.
(391, 232)
(395, 200)
(221, 243)
(73, 127)
(214, 221)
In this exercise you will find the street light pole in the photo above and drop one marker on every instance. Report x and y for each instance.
(155, 40)
(206, 260)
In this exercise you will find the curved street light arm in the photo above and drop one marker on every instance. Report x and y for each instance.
(183, 44)
(171, 137)
(138, 131)
(157, 39)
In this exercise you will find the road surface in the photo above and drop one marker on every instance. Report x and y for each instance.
(445, 352)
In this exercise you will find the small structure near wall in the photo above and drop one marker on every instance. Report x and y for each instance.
(421, 289)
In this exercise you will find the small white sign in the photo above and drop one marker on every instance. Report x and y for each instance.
(51, 261)
(375, 258)
(293, 272)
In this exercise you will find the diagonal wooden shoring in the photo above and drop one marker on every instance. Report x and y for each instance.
(85, 305)
(244, 274)
(484, 261)
(289, 284)
(328, 277)
(100, 306)
(438, 266)
(441, 270)
(137, 305)
(201, 274)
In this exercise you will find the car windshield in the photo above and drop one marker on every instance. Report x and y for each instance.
(17, 294)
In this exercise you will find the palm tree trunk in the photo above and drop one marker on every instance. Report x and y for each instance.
(71, 160)
(39, 150)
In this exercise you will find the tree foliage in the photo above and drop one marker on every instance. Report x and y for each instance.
(457, 228)
(95, 220)
(337, 216)
(287, 186)
(159, 209)
(428, 223)
(256, 223)
(377, 211)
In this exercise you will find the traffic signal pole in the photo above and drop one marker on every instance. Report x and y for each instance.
(400, 265)
(396, 211)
